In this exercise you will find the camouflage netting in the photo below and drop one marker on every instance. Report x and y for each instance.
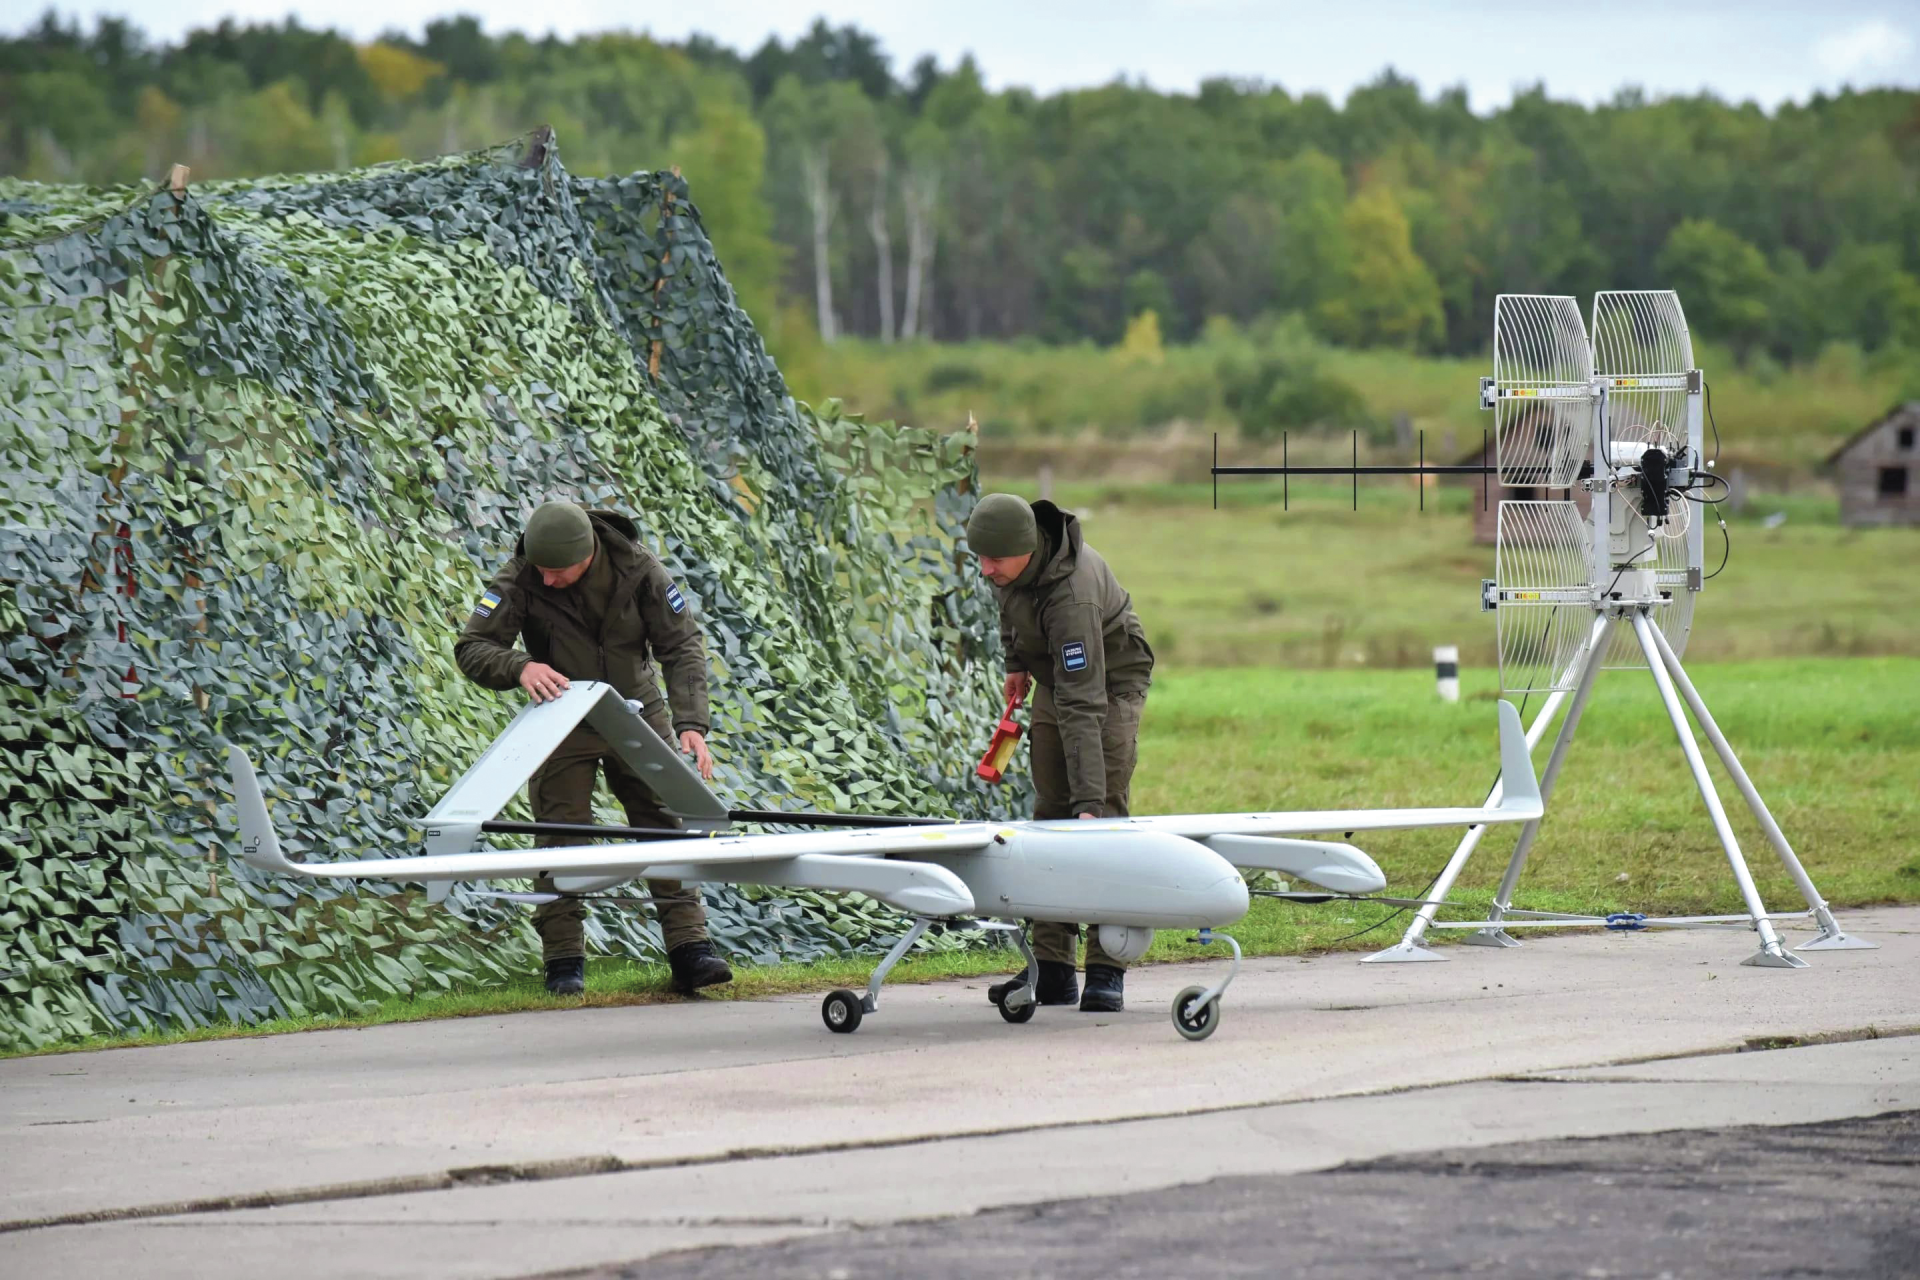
(263, 442)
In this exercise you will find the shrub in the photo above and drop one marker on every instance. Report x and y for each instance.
(1279, 381)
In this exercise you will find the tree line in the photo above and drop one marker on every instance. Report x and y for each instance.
(893, 205)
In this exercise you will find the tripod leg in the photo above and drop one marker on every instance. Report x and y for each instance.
(1772, 955)
(1412, 945)
(1832, 936)
(1503, 898)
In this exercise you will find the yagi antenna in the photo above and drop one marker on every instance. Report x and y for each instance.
(1605, 578)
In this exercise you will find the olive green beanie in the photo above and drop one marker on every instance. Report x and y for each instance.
(1001, 526)
(558, 535)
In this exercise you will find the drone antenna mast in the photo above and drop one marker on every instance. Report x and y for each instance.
(1604, 579)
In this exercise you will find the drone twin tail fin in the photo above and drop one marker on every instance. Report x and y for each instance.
(1519, 789)
(259, 847)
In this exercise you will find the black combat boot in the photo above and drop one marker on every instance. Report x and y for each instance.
(567, 977)
(1057, 984)
(1106, 989)
(695, 966)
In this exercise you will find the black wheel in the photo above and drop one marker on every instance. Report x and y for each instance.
(1017, 1011)
(1192, 1019)
(841, 1011)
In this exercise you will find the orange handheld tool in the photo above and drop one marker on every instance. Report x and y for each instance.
(1006, 736)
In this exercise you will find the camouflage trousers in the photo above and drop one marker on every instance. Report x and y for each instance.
(562, 791)
(1118, 743)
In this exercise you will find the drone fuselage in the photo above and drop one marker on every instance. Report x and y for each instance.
(1081, 872)
(1095, 872)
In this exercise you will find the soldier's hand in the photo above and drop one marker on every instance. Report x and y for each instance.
(1016, 687)
(694, 743)
(1094, 816)
(542, 682)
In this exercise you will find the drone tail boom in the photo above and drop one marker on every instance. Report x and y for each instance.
(1327, 863)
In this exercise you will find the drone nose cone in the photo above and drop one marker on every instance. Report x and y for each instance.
(1225, 901)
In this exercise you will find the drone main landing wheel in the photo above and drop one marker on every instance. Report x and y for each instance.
(1192, 1019)
(841, 1011)
(1018, 1004)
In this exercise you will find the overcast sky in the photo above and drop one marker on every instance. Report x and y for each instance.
(1762, 50)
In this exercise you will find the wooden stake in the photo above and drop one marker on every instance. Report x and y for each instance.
(177, 179)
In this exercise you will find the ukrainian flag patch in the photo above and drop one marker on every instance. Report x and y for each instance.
(675, 601)
(488, 603)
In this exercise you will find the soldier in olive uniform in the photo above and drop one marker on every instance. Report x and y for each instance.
(1071, 636)
(592, 603)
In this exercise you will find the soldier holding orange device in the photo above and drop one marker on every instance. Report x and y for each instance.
(1070, 636)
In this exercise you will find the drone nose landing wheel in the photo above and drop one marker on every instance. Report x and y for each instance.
(1018, 1004)
(841, 1011)
(1196, 1011)
(1194, 1017)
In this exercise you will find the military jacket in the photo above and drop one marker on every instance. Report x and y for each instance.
(1069, 623)
(647, 619)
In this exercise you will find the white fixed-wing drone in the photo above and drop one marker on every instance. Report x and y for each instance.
(1126, 876)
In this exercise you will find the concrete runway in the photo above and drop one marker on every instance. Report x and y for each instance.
(584, 1138)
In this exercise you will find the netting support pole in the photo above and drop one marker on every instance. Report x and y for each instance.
(1832, 936)
(1772, 954)
(1412, 945)
(1596, 653)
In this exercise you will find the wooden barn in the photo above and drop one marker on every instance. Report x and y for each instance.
(1878, 471)
(1486, 520)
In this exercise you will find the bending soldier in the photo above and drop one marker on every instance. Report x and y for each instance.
(592, 603)
(1068, 627)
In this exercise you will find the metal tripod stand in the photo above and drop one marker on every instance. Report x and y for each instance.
(1671, 680)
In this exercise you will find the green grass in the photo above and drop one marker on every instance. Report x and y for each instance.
(1834, 744)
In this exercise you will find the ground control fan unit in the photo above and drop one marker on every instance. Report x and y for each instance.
(1604, 578)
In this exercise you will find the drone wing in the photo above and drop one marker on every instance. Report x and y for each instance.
(855, 860)
(1247, 839)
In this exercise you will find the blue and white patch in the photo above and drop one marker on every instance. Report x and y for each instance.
(488, 603)
(1073, 656)
(675, 601)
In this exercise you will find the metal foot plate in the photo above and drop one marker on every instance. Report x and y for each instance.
(1404, 953)
(1764, 959)
(1838, 942)
(1490, 938)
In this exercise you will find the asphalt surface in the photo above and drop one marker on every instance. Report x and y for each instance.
(509, 1146)
(1839, 1200)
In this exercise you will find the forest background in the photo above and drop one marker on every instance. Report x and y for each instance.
(1116, 259)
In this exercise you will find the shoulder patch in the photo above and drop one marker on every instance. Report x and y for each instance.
(488, 603)
(1073, 656)
(675, 601)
